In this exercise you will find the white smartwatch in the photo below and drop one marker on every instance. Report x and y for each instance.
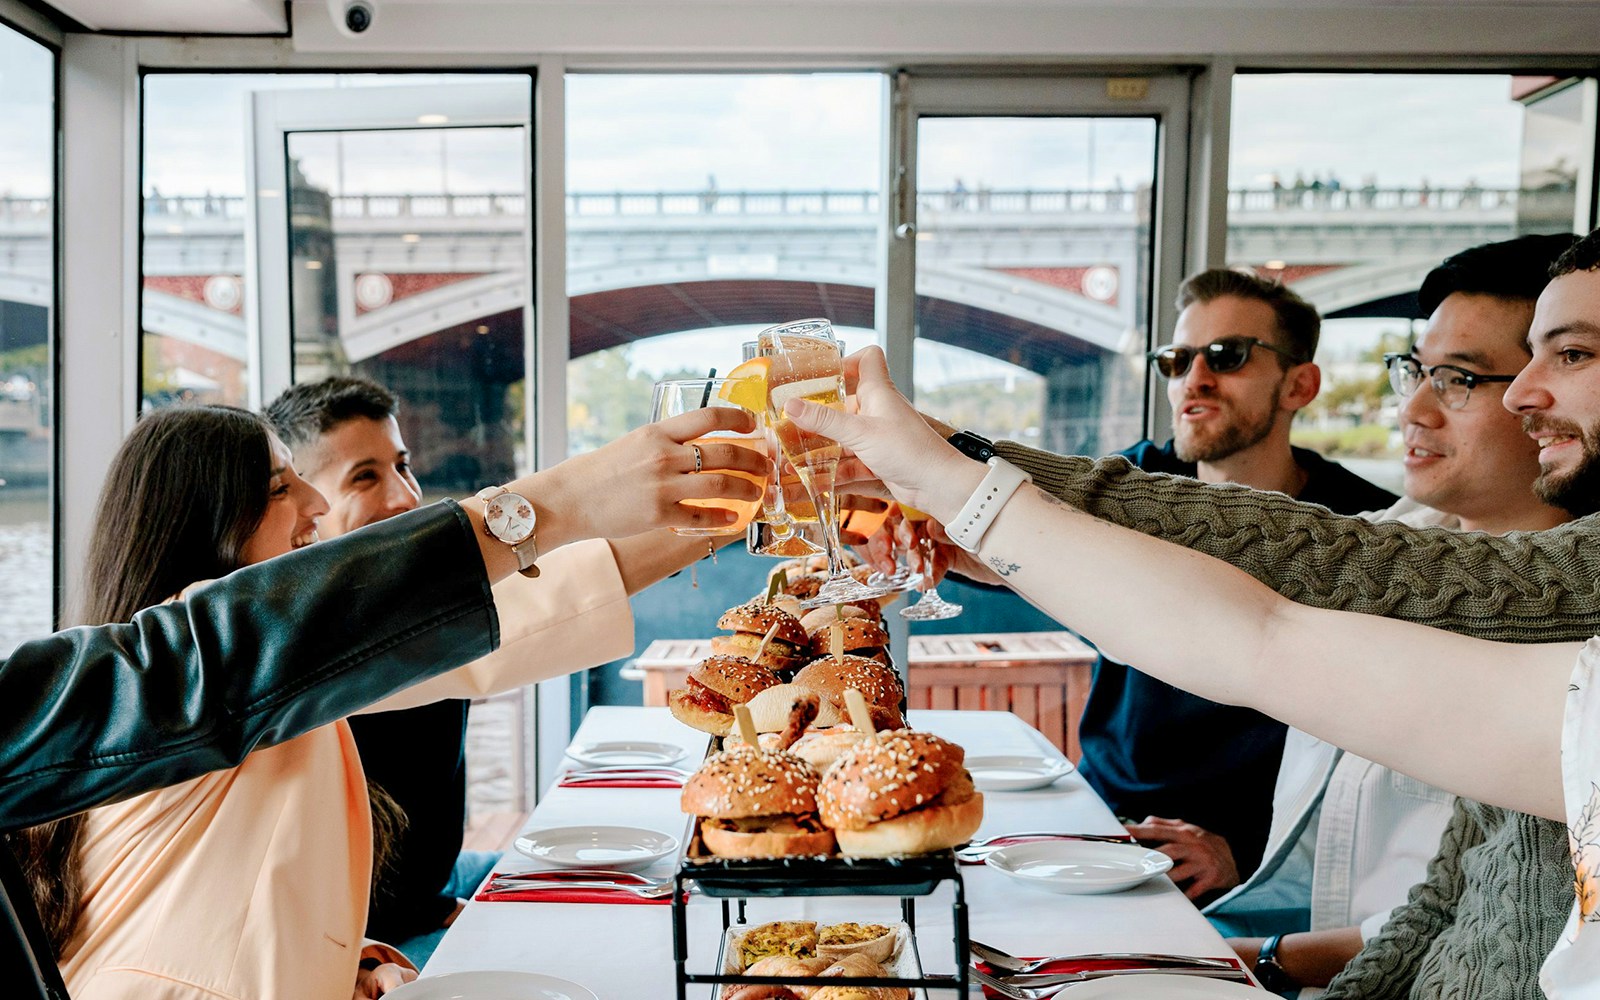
(510, 518)
(1001, 481)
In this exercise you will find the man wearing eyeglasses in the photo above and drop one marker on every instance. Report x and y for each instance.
(1468, 465)
(1238, 370)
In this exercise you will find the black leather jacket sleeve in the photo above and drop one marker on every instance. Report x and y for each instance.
(92, 715)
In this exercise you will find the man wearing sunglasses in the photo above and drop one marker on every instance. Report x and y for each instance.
(1238, 370)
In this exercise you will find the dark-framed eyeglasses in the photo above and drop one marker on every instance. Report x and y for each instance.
(1223, 355)
(1451, 384)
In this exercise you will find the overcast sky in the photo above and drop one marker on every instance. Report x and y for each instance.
(803, 131)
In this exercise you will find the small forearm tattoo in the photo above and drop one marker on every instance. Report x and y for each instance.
(1002, 567)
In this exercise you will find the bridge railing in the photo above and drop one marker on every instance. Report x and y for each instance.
(594, 204)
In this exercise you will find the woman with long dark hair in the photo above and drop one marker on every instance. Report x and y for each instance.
(253, 882)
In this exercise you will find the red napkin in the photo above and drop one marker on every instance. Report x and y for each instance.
(622, 783)
(565, 896)
(1081, 965)
(1008, 841)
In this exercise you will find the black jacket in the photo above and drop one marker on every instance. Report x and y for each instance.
(95, 715)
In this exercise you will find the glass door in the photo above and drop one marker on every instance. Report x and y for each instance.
(391, 233)
(1036, 242)
(1043, 225)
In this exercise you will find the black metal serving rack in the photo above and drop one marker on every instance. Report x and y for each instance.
(736, 880)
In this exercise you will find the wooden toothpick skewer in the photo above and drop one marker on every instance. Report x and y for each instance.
(747, 725)
(765, 639)
(860, 714)
(836, 640)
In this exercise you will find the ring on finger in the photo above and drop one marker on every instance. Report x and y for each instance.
(698, 458)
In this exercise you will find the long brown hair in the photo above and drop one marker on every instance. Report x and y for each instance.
(183, 495)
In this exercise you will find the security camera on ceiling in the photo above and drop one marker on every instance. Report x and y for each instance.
(352, 17)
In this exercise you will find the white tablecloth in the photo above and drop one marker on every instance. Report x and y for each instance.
(624, 952)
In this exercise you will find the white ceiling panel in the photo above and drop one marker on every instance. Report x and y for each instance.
(202, 17)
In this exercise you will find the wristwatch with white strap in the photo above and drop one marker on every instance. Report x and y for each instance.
(509, 517)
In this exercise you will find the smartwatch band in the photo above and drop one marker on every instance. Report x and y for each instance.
(986, 502)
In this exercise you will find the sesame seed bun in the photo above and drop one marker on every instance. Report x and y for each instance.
(715, 685)
(757, 618)
(906, 793)
(756, 803)
(877, 682)
(860, 635)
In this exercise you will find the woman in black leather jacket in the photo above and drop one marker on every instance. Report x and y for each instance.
(277, 649)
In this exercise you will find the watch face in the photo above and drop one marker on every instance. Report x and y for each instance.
(510, 518)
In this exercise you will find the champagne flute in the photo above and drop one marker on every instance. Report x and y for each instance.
(806, 364)
(903, 578)
(674, 396)
(931, 607)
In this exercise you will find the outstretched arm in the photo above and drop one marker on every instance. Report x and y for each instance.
(1539, 586)
(1481, 719)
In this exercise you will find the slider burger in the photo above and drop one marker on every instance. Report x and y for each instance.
(756, 803)
(859, 635)
(750, 623)
(715, 685)
(907, 793)
(831, 676)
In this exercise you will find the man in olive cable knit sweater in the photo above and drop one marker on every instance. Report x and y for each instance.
(1521, 587)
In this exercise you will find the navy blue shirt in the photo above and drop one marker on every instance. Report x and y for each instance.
(1151, 749)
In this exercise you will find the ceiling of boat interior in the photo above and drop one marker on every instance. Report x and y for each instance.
(268, 17)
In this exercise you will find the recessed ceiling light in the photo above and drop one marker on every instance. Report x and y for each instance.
(313, 265)
(410, 238)
(432, 119)
(1275, 265)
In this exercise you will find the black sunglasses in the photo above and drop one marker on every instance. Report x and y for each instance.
(1227, 354)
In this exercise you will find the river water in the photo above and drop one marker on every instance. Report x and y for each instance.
(24, 567)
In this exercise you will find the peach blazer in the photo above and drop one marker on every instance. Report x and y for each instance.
(251, 884)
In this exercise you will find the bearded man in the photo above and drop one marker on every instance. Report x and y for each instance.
(1202, 774)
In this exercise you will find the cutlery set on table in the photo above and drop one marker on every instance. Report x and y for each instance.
(596, 864)
(1120, 974)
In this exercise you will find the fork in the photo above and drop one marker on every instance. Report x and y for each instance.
(1114, 838)
(655, 890)
(1013, 966)
(579, 875)
(1042, 987)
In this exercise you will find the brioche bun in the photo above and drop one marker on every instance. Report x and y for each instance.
(860, 635)
(757, 617)
(714, 686)
(905, 793)
(878, 683)
(756, 803)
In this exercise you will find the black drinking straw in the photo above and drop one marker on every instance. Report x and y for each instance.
(706, 399)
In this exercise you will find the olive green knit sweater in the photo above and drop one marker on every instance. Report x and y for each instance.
(1499, 890)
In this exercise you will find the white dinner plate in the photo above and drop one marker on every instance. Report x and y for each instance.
(596, 846)
(1079, 867)
(1016, 772)
(609, 752)
(1158, 987)
(491, 986)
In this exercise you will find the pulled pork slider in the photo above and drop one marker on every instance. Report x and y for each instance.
(878, 683)
(716, 685)
(756, 803)
(907, 793)
(785, 651)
